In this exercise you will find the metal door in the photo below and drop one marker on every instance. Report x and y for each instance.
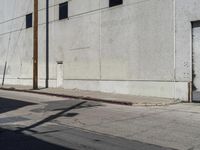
(196, 60)
(59, 74)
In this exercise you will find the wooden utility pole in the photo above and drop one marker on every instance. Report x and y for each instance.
(35, 46)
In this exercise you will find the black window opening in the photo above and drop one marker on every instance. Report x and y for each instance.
(29, 20)
(115, 2)
(63, 10)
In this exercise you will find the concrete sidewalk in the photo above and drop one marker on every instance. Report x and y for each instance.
(122, 99)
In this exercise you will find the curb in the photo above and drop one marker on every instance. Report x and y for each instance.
(71, 96)
(126, 103)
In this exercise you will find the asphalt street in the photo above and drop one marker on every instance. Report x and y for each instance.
(43, 132)
(55, 137)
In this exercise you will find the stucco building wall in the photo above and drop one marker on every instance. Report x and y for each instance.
(142, 47)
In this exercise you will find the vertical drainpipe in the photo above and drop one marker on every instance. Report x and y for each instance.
(190, 83)
(174, 20)
(4, 73)
(47, 43)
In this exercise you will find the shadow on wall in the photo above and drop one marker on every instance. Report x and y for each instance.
(11, 104)
(12, 140)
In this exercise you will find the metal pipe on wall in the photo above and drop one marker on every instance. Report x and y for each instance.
(47, 43)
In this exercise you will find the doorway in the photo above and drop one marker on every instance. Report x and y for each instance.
(196, 61)
(60, 74)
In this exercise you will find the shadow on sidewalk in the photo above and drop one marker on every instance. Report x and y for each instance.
(17, 140)
(11, 140)
(12, 104)
(52, 117)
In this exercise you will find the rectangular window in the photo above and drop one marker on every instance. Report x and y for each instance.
(29, 20)
(63, 10)
(115, 3)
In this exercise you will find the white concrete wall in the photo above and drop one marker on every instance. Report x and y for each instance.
(125, 49)
(18, 50)
(186, 12)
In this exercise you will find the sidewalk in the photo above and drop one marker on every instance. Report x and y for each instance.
(121, 99)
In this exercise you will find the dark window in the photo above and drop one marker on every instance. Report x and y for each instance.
(115, 2)
(29, 20)
(63, 11)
